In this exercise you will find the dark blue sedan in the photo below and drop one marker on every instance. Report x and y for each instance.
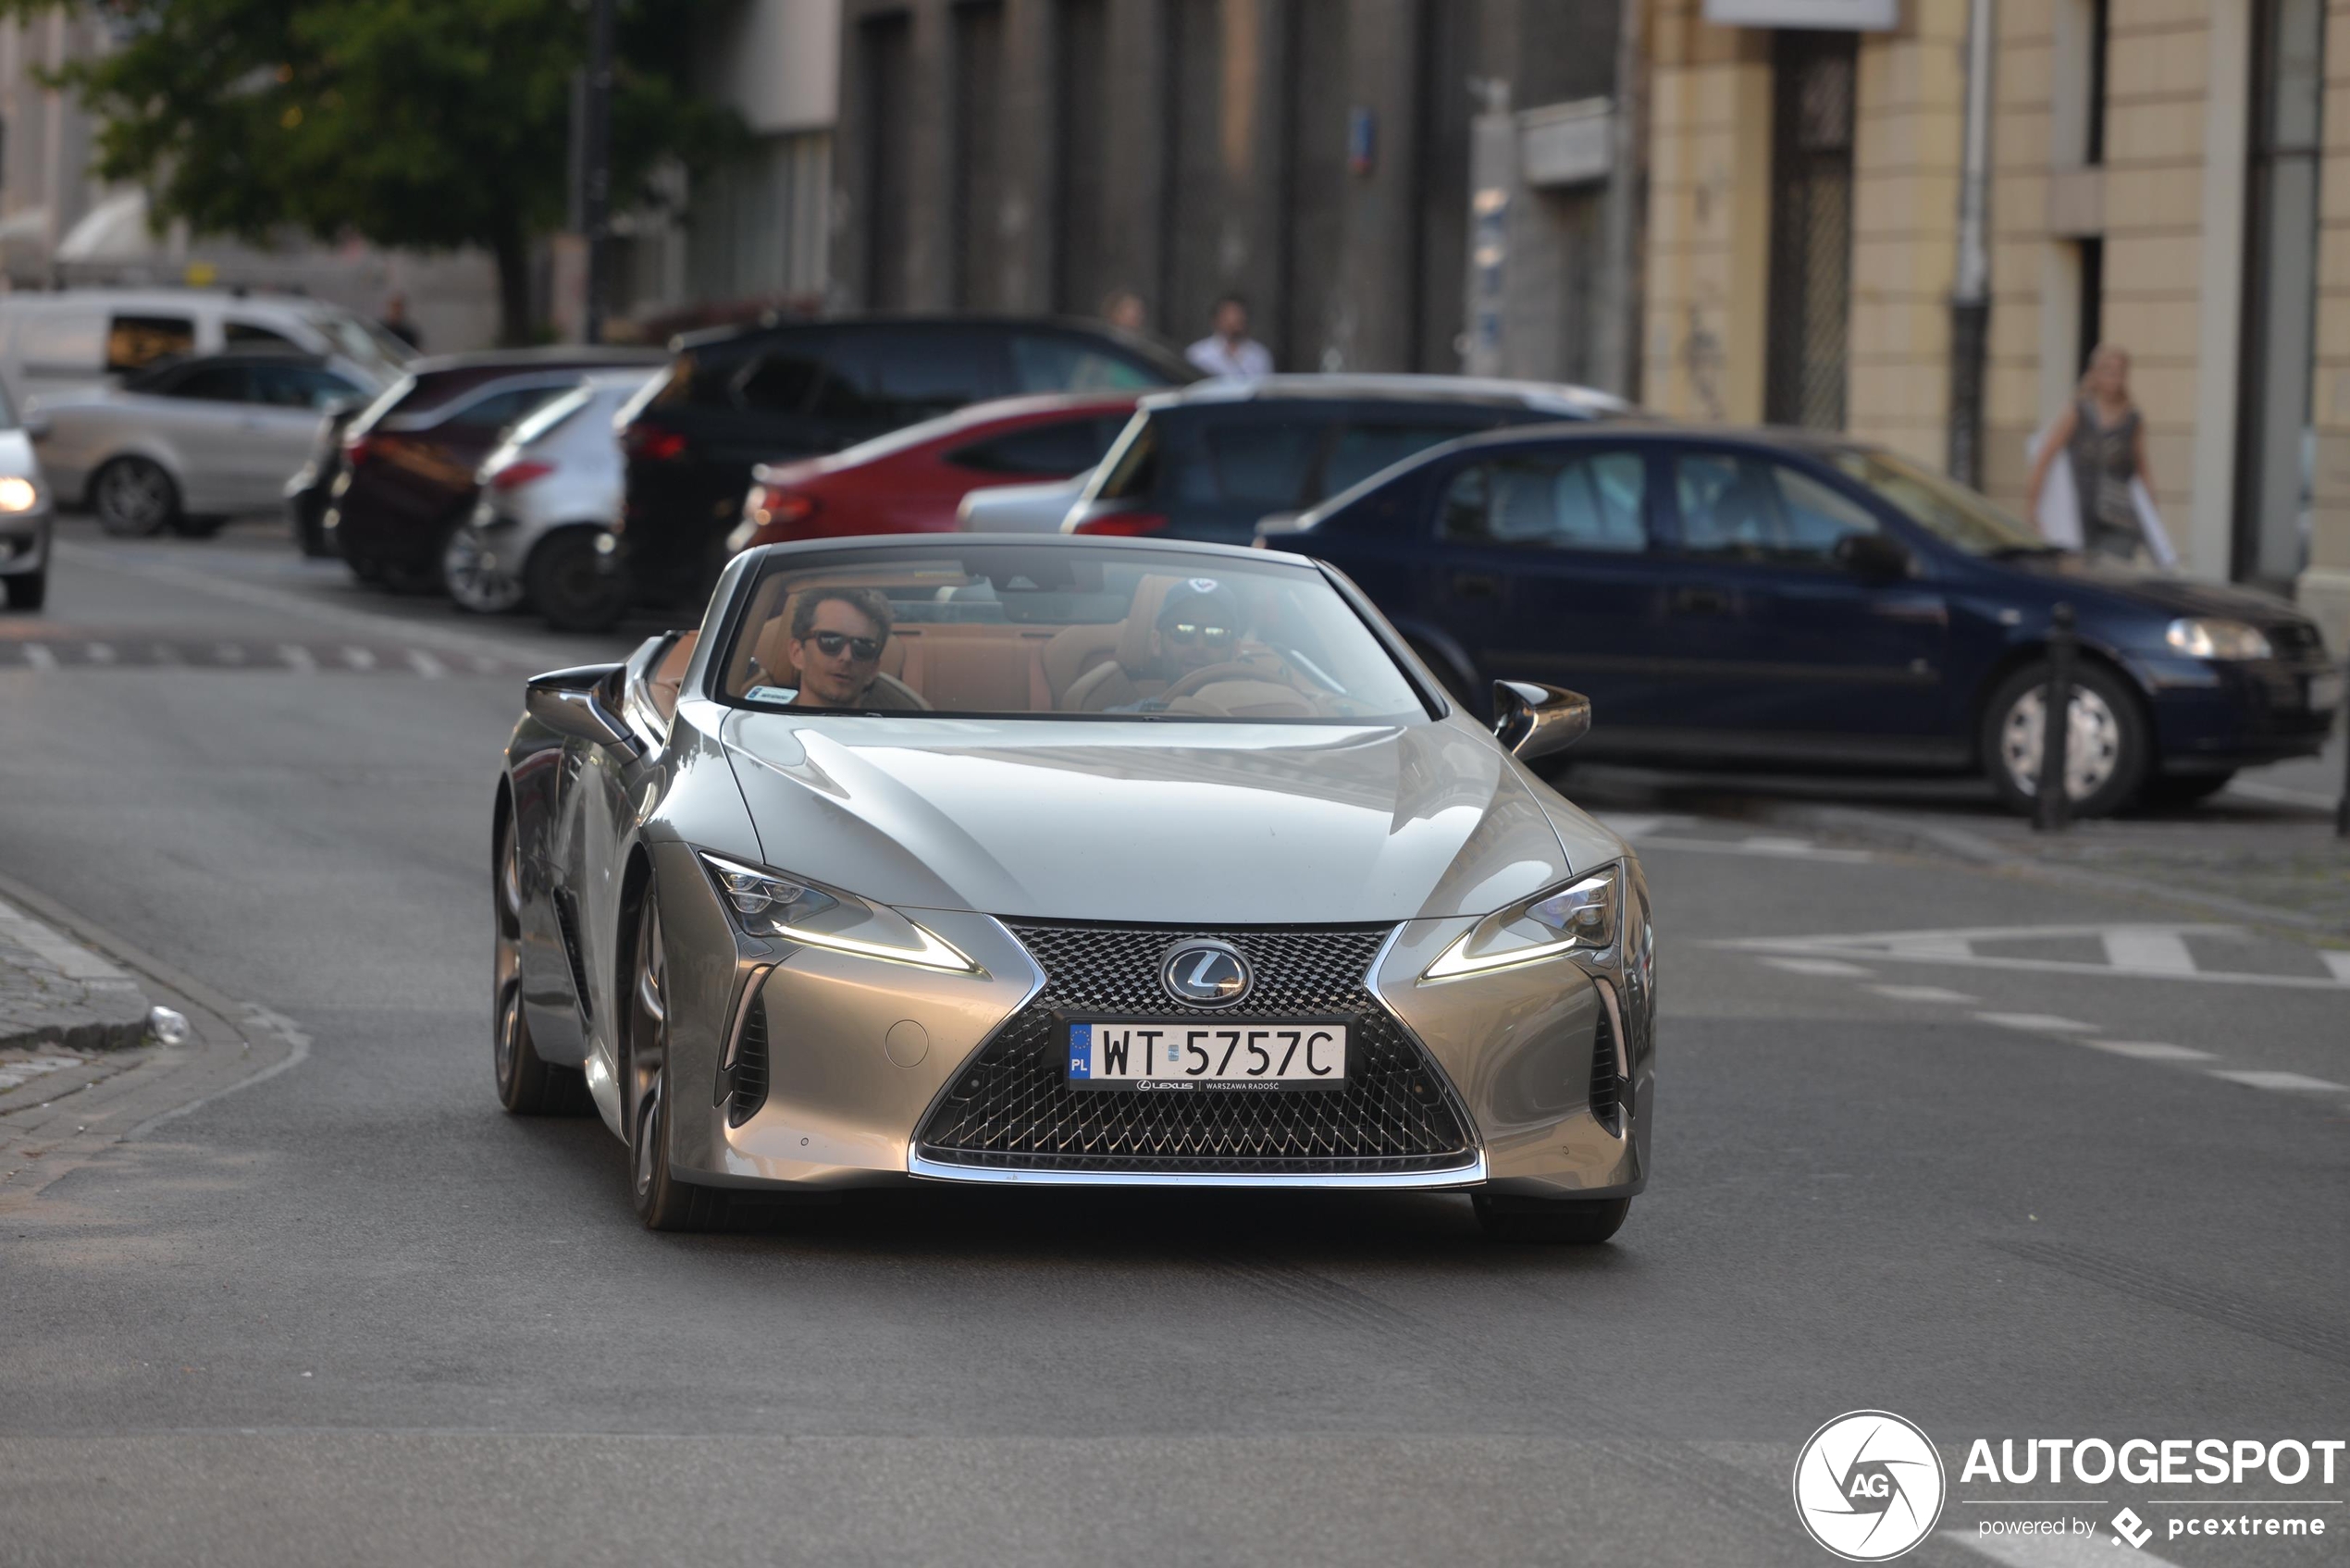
(1771, 597)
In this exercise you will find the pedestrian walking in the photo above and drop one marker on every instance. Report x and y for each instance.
(1122, 310)
(1229, 352)
(395, 321)
(2090, 487)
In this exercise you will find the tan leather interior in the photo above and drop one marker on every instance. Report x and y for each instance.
(1129, 674)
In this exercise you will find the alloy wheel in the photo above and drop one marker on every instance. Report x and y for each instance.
(134, 496)
(2091, 742)
(477, 575)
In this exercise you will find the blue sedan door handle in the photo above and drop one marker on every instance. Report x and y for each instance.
(1701, 600)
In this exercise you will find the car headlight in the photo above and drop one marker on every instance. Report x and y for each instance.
(1581, 917)
(17, 493)
(2217, 639)
(766, 904)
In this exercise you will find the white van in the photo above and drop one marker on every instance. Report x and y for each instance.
(80, 338)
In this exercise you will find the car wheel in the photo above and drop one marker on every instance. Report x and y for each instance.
(133, 496)
(663, 1202)
(476, 577)
(1581, 1222)
(2183, 789)
(27, 591)
(2107, 744)
(527, 1086)
(572, 585)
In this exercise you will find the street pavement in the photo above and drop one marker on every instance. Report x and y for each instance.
(2011, 1155)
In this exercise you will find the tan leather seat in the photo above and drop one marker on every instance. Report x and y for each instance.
(1075, 651)
(1130, 674)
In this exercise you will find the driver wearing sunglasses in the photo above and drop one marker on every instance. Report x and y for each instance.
(838, 635)
(1198, 625)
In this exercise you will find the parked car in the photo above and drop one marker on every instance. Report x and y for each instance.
(78, 338)
(1021, 509)
(734, 399)
(410, 458)
(27, 516)
(1787, 598)
(548, 494)
(313, 484)
(911, 481)
(188, 444)
(1207, 462)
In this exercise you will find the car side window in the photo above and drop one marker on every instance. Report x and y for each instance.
(1594, 500)
(136, 340)
(1739, 507)
(1044, 451)
(1362, 451)
(780, 382)
(1046, 362)
(251, 335)
(297, 386)
(213, 383)
(895, 376)
(1259, 459)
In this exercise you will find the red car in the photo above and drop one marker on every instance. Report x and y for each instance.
(909, 481)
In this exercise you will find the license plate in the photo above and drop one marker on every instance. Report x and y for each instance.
(1183, 1056)
(2325, 692)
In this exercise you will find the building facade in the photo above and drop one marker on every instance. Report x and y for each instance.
(2159, 174)
(1313, 156)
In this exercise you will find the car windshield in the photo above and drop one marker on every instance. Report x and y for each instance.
(1064, 632)
(549, 415)
(364, 341)
(1950, 511)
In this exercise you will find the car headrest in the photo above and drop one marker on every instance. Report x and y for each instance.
(1141, 619)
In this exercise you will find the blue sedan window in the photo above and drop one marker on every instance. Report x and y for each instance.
(1750, 509)
(1582, 500)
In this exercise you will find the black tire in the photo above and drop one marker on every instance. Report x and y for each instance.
(310, 534)
(2106, 773)
(663, 1201)
(28, 590)
(133, 498)
(1574, 1222)
(366, 568)
(2183, 789)
(527, 1086)
(189, 528)
(570, 584)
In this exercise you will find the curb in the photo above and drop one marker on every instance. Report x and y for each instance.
(55, 991)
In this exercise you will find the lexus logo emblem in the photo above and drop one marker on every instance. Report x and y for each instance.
(1206, 974)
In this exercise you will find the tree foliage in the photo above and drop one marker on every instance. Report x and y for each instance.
(428, 124)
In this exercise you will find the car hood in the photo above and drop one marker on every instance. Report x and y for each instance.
(1156, 823)
(2156, 590)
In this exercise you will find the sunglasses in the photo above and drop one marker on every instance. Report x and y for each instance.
(1190, 631)
(829, 644)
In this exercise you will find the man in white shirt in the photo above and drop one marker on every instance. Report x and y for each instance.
(1229, 352)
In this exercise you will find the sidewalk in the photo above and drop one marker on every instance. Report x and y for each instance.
(53, 992)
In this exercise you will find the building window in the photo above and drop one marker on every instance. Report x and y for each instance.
(1810, 228)
(2101, 41)
(2090, 311)
(888, 94)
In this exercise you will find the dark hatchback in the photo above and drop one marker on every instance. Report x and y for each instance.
(1210, 461)
(736, 399)
(1781, 599)
(408, 460)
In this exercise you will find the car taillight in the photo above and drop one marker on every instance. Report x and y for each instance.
(653, 444)
(774, 505)
(517, 475)
(357, 449)
(1127, 523)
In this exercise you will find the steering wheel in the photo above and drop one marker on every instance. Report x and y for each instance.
(1231, 670)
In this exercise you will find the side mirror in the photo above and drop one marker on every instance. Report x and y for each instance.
(1534, 719)
(572, 702)
(1872, 555)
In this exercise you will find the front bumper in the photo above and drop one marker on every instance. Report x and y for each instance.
(24, 540)
(858, 1060)
(2212, 716)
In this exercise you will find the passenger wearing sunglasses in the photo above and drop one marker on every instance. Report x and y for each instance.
(838, 635)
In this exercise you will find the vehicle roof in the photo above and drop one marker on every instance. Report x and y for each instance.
(288, 356)
(883, 544)
(557, 356)
(701, 336)
(1469, 390)
(167, 297)
(1766, 436)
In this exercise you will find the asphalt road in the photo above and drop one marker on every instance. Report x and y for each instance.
(1993, 1182)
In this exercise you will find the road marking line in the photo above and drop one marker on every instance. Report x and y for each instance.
(426, 664)
(1739, 847)
(1775, 844)
(2148, 952)
(2291, 1082)
(1835, 967)
(166, 656)
(39, 656)
(1921, 994)
(1630, 827)
(2149, 1051)
(73, 960)
(297, 658)
(358, 658)
(1956, 946)
(2042, 1023)
(2339, 963)
(229, 653)
(100, 652)
(2056, 1551)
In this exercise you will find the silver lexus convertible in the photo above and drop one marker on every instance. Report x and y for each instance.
(1073, 861)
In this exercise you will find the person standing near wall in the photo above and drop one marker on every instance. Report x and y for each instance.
(2102, 439)
(1229, 352)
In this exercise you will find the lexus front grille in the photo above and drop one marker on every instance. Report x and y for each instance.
(1011, 1108)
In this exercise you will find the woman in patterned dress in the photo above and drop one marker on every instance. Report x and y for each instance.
(2103, 436)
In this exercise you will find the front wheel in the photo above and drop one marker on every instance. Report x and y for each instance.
(573, 584)
(133, 496)
(477, 574)
(2106, 746)
(1574, 1222)
(662, 1201)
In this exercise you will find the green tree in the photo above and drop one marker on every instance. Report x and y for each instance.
(426, 124)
